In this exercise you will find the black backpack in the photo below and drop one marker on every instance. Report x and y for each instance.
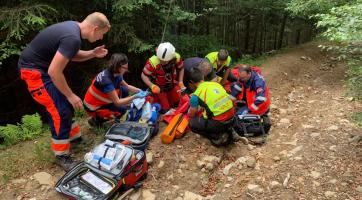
(250, 125)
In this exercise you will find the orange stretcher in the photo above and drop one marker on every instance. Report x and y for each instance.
(175, 129)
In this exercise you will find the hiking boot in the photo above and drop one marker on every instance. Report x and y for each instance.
(236, 137)
(66, 162)
(257, 140)
(244, 140)
(221, 140)
(95, 122)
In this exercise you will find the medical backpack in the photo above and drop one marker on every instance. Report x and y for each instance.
(90, 180)
(250, 125)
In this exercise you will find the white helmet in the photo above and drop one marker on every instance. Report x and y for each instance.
(166, 51)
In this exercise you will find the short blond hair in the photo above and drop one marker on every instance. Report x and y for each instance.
(98, 19)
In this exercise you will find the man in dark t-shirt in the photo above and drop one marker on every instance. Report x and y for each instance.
(203, 65)
(41, 66)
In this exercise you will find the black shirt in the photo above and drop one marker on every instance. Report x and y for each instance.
(63, 37)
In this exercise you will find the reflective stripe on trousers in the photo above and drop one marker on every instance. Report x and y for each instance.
(59, 110)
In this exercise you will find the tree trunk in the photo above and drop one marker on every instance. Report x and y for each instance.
(265, 38)
(275, 40)
(247, 33)
(297, 39)
(255, 40)
(261, 39)
(281, 31)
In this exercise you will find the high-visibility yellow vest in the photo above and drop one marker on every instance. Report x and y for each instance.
(214, 97)
(212, 57)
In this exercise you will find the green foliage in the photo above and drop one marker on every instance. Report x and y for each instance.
(309, 8)
(352, 53)
(80, 114)
(339, 21)
(127, 7)
(342, 24)
(190, 46)
(7, 49)
(11, 134)
(181, 15)
(30, 127)
(354, 81)
(124, 18)
(19, 21)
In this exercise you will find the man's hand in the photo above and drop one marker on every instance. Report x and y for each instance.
(76, 102)
(100, 52)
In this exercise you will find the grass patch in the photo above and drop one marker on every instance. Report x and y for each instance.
(43, 152)
(103, 129)
(80, 114)
(357, 118)
(253, 60)
(354, 81)
(25, 157)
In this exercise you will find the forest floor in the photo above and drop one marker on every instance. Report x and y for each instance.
(310, 152)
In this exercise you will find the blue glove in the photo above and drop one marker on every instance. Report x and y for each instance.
(141, 94)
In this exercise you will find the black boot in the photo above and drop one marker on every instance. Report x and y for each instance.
(96, 122)
(66, 162)
(236, 137)
(223, 139)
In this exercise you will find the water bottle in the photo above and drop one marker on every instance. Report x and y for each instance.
(154, 113)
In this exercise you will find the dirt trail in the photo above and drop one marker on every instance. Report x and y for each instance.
(307, 154)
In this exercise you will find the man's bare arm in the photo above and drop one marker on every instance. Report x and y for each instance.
(55, 72)
(119, 101)
(98, 52)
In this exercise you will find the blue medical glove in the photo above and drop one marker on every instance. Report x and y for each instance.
(141, 94)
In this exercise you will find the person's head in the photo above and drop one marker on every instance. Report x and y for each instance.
(118, 64)
(244, 73)
(165, 52)
(205, 67)
(196, 77)
(222, 57)
(94, 26)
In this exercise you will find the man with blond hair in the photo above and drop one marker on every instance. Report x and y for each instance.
(41, 66)
(221, 62)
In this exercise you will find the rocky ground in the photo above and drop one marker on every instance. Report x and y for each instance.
(311, 152)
